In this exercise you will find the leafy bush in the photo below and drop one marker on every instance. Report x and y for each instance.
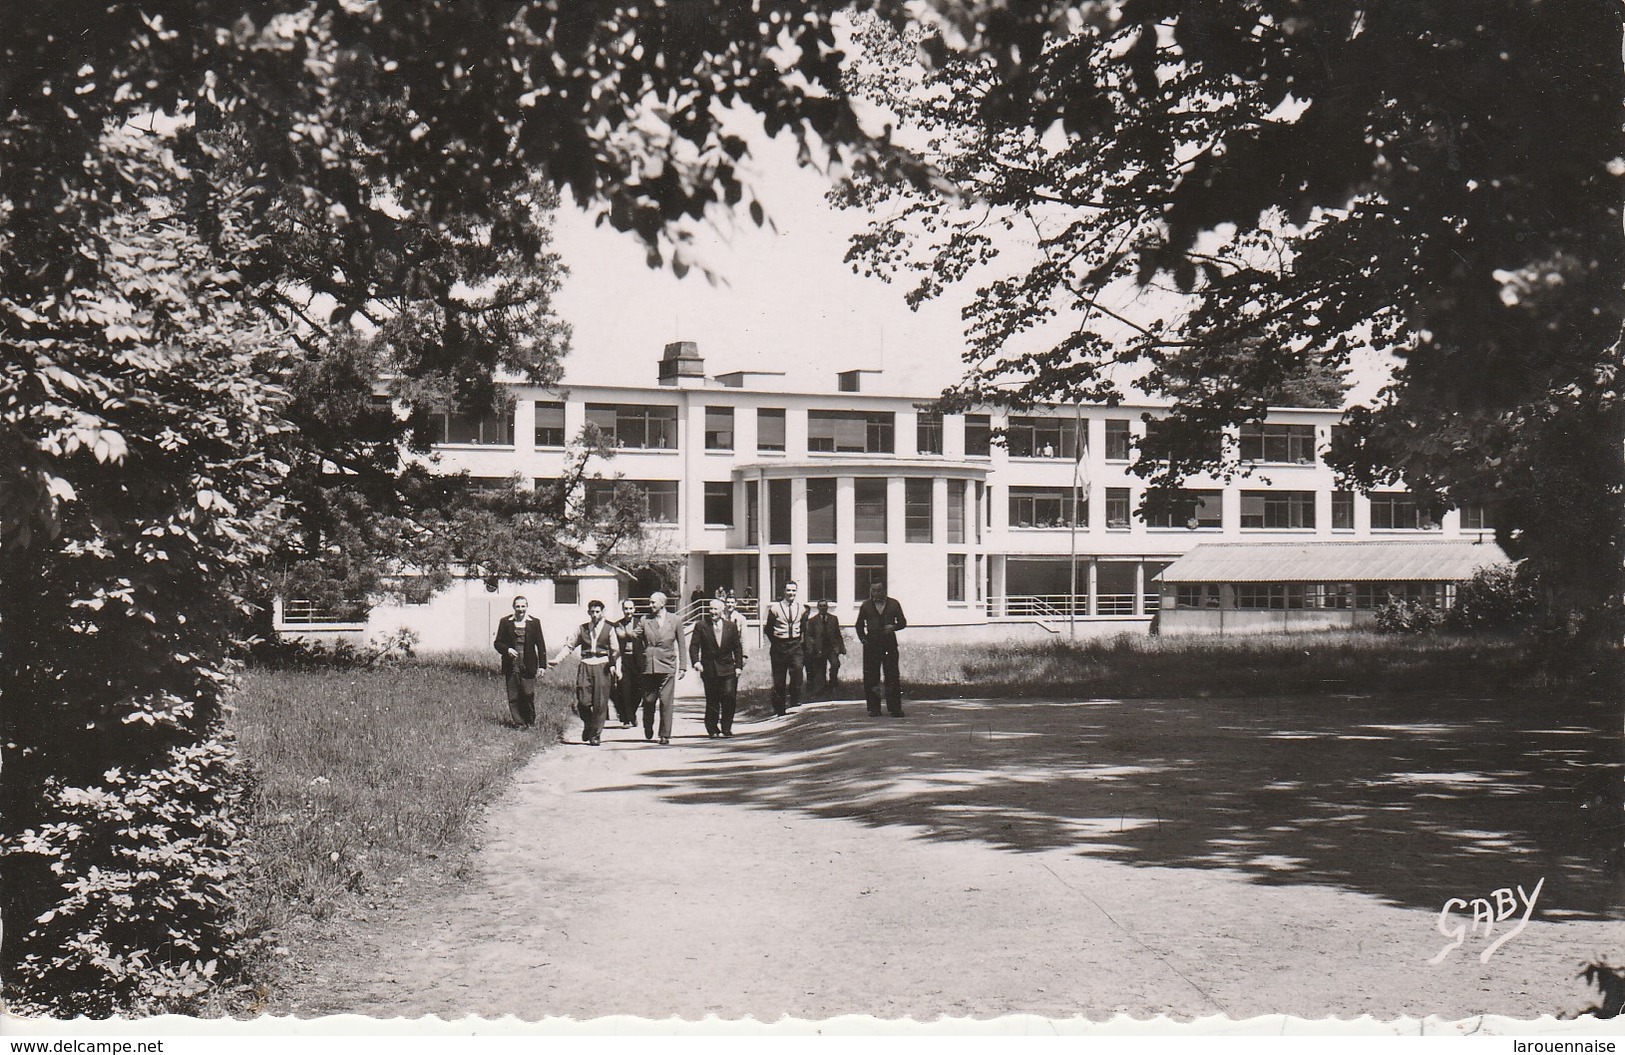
(279, 652)
(1498, 597)
(1401, 616)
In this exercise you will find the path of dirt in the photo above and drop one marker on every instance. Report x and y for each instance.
(784, 872)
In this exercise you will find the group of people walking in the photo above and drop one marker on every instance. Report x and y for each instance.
(634, 663)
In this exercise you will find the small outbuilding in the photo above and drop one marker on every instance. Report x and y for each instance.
(1240, 587)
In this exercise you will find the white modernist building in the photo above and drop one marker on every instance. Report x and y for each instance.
(756, 485)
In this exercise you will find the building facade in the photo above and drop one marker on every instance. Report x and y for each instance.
(758, 485)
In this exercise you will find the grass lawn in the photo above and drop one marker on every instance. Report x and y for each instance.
(361, 776)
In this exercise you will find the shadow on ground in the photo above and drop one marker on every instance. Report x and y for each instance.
(1412, 800)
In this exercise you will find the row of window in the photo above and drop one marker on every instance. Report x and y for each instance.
(1064, 507)
(821, 583)
(1363, 596)
(654, 427)
(1029, 507)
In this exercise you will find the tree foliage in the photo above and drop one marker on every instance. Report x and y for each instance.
(1436, 181)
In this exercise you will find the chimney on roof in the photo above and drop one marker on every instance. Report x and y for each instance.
(851, 380)
(682, 363)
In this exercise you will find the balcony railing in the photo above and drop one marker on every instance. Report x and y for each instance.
(1066, 606)
(306, 613)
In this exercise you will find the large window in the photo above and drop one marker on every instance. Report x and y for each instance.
(1342, 510)
(549, 424)
(1042, 437)
(659, 498)
(928, 432)
(1047, 507)
(1187, 509)
(820, 578)
(867, 568)
(956, 512)
(917, 525)
(978, 435)
(1118, 441)
(486, 428)
(770, 429)
(821, 510)
(1369, 595)
(1196, 595)
(719, 503)
(981, 510)
(719, 428)
(635, 426)
(956, 578)
(1266, 442)
(850, 431)
(869, 510)
(1117, 508)
(778, 512)
(1159, 435)
(1477, 518)
(753, 513)
(1277, 509)
(1398, 511)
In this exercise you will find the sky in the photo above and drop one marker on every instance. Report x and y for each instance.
(785, 301)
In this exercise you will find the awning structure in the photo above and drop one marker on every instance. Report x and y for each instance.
(1396, 561)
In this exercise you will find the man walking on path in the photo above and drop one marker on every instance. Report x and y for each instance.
(600, 653)
(663, 663)
(627, 692)
(825, 645)
(718, 653)
(519, 642)
(879, 619)
(785, 626)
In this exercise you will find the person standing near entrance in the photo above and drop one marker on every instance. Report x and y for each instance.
(519, 642)
(664, 661)
(718, 653)
(785, 626)
(825, 645)
(879, 619)
(600, 654)
(627, 692)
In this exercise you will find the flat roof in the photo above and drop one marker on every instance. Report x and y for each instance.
(1400, 560)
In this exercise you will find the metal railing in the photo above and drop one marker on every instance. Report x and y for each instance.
(1064, 606)
(299, 612)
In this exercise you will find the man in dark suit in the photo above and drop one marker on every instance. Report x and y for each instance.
(718, 653)
(824, 646)
(519, 643)
(786, 624)
(879, 619)
(627, 692)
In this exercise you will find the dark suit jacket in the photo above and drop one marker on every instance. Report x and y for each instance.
(824, 638)
(722, 658)
(877, 627)
(527, 639)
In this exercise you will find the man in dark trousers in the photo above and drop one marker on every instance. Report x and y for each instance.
(825, 645)
(786, 624)
(879, 619)
(627, 692)
(599, 642)
(519, 643)
(718, 653)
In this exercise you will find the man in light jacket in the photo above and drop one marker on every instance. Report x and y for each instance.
(664, 661)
